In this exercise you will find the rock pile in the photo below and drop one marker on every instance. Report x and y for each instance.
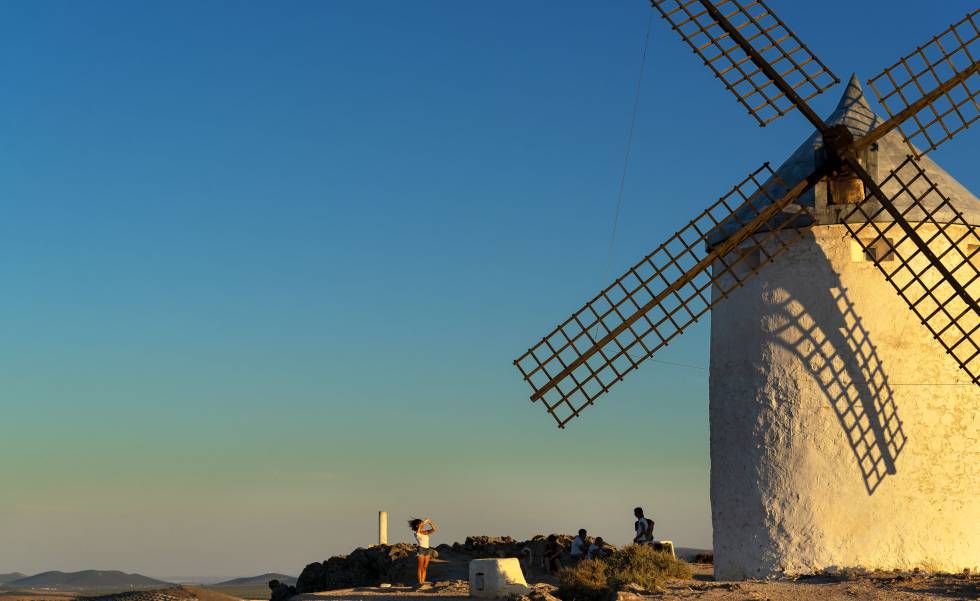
(483, 544)
(363, 567)
(482, 547)
(281, 591)
(395, 564)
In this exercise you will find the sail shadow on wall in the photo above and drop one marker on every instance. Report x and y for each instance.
(843, 361)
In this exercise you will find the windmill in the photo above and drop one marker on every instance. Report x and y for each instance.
(784, 259)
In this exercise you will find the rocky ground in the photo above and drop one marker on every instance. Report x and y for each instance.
(385, 573)
(873, 587)
(876, 586)
(880, 587)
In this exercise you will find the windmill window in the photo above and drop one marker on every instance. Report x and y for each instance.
(846, 190)
(872, 249)
(750, 257)
(744, 260)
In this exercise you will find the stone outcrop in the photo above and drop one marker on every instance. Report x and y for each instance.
(485, 547)
(363, 567)
(395, 564)
(280, 590)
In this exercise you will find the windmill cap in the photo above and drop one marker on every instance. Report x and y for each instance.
(890, 152)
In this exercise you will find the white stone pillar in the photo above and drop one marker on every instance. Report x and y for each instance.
(382, 527)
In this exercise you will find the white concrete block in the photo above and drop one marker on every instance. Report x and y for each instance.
(497, 578)
(665, 546)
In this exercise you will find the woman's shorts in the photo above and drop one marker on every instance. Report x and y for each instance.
(427, 552)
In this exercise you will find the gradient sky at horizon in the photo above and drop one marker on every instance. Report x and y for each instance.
(267, 266)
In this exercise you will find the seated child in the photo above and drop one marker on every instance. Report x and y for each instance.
(598, 549)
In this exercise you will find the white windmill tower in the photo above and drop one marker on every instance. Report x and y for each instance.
(843, 425)
(830, 406)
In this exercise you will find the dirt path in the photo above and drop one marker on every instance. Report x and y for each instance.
(444, 591)
(872, 589)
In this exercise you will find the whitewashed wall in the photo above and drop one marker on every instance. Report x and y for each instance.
(841, 433)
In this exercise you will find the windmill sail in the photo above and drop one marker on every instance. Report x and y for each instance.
(935, 87)
(771, 71)
(666, 292)
(950, 237)
(763, 34)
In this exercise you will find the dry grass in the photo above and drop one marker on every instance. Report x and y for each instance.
(257, 591)
(600, 579)
(205, 594)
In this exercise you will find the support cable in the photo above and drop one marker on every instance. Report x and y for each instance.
(629, 147)
(626, 157)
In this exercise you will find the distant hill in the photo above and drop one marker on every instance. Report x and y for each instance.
(91, 579)
(5, 578)
(262, 579)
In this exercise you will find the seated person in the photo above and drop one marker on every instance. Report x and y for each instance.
(580, 545)
(598, 549)
(552, 552)
(525, 558)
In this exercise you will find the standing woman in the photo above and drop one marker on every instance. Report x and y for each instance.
(422, 529)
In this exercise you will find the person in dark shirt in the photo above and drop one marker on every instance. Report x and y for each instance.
(551, 556)
(643, 527)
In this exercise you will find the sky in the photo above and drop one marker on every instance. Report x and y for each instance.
(267, 265)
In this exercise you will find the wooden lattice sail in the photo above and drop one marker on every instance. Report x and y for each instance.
(656, 299)
(948, 63)
(701, 28)
(954, 242)
(770, 71)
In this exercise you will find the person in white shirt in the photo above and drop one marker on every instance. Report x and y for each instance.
(598, 549)
(580, 545)
(422, 529)
(643, 528)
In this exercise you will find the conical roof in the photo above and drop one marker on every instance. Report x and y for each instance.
(854, 112)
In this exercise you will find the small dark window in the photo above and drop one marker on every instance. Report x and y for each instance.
(750, 258)
(874, 249)
(846, 190)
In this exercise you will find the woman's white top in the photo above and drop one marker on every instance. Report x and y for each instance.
(422, 540)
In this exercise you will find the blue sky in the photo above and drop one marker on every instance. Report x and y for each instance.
(267, 266)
